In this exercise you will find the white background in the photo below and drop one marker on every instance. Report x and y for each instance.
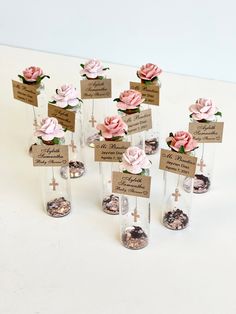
(185, 36)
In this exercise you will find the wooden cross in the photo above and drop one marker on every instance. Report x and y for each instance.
(176, 194)
(135, 215)
(92, 121)
(201, 165)
(73, 146)
(53, 184)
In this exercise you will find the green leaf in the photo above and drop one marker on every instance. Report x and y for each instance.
(171, 134)
(181, 150)
(116, 99)
(218, 114)
(106, 69)
(82, 65)
(21, 77)
(100, 78)
(56, 140)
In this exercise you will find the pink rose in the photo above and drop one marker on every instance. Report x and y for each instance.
(130, 99)
(182, 142)
(92, 69)
(134, 160)
(49, 129)
(148, 72)
(203, 109)
(32, 73)
(113, 126)
(66, 96)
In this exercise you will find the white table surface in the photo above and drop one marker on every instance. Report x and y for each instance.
(76, 265)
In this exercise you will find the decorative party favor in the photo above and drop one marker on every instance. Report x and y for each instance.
(66, 107)
(134, 210)
(93, 86)
(51, 156)
(207, 131)
(109, 152)
(179, 166)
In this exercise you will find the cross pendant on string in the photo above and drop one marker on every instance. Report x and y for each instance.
(135, 215)
(73, 146)
(201, 164)
(92, 121)
(176, 194)
(53, 184)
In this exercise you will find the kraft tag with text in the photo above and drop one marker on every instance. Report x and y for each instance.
(131, 184)
(211, 132)
(109, 150)
(151, 93)
(138, 122)
(65, 117)
(25, 93)
(94, 89)
(54, 155)
(178, 163)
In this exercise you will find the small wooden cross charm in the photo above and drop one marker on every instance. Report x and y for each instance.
(176, 194)
(135, 215)
(73, 146)
(53, 184)
(92, 121)
(201, 164)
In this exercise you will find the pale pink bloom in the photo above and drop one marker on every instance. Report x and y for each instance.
(112, 127)
(149, 71)
(130, 99)
(134, 160)
(182, 138)
(203, 109)
(92, 69)
(66, 96)
(32, 73)
(49, 129)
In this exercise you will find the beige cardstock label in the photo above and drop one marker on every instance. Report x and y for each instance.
(138, 122)
(131, 184)
(211, 132)
(65, 117)
(109, 150)
(94, 89)
(25, 93)
(149, 92)
(178, 163)
(54, 155)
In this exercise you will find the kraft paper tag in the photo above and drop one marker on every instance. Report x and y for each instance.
(211, 132)
(151, 93)
(94, 89)
(138, 122)
(54, 155)
(25, 93)
(178, 163)
(109, 150)
(65, 117)
(131, 184)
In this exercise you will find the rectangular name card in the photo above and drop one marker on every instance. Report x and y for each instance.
(45, 156)
(65, 117)
(131, 184)
(211, 132)
(94, 89)
(109, 150)
(178, 163)
(25, 93)
(139, 121)
(151, 93)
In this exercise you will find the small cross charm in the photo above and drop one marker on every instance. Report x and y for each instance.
(135, 215)
(53, 184)
(201, 164)
(73, 146)
(176, 195)
(92, 121)
(35, 124)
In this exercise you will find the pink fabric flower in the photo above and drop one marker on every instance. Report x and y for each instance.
(203, 109)
(130, 99)
(92, 69)
(180, 139)
(32, 73)
(113, 126)
(49, 129)
(66, 96)
(148, 72)
(134, 160)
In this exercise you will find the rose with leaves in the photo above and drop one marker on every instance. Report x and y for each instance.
(129, 101)
(204, 110)
(93, 70)
(113, 128)
(135, 161)
(181, 142)
(32, 75)
(148, 73)
(50, 131)
(66, 97)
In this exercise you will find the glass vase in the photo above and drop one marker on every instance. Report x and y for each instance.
(177, 201)
(134, 221)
